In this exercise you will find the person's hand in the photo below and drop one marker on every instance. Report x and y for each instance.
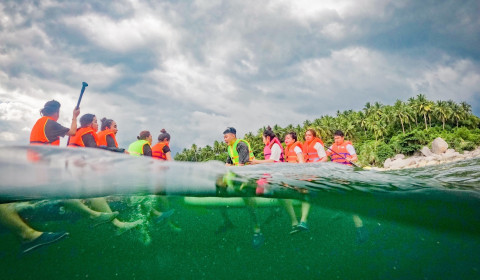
(76, 112)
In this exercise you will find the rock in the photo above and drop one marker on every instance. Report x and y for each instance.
(399, 156)
(449, 151)
(439, 146)
(422, 163)
(387, 163)
(450, 155)
(432, 162)
(426, 151)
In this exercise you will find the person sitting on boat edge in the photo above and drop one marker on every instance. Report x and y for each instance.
(141, 147)
(239, 154)
(313, 147)
(107, 135)
(342, 151)
(273, 150)
(46, 130)
(86, 137)
(239, 150)
(161, 150)
(294, 154)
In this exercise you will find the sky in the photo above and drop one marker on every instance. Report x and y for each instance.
(196, 67)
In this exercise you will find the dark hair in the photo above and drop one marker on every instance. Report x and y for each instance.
(106, 123)
(163, 135)
(339, 133)
(86, 119)
(293, 134)
(50, 108)
(230, 130)
(269, 132)
(314, 133)
(144, 135)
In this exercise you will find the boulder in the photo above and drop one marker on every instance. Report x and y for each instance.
(426, 151)
(439, 146)
(387, 163)
(399, 156)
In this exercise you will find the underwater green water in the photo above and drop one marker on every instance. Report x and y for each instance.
(417, 224)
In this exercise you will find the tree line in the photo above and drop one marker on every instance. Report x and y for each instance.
(377, 131)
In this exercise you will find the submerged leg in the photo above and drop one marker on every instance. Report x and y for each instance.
(96, 216)
(100, 204)
(287, 203)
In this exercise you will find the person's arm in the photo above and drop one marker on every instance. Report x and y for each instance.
(229, 161)
(89, 141)
(73, 126)
(110, 141)
(353, 154)
(166, 150)
(299, 153)
(321, 152)
(243, 153)
(147, 150)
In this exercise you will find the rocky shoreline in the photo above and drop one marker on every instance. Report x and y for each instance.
(439, 154)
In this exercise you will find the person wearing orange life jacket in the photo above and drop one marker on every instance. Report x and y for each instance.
(342, 151)
(46, 130)
(161, 150)
(294, 154)
(106, 137)
(313, 147)
(100, 211)
(293, 149)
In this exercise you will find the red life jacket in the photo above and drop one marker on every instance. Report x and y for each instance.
(267, 150)
(38, 136)
(157, 151)
(102, 137)
(309, 152)
(76, 140)
(290, 151)
(340, 152)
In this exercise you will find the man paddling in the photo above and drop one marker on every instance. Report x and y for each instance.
(342, 151)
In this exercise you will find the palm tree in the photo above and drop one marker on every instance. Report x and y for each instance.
(442, 111)
(401, 112)
(424, 107)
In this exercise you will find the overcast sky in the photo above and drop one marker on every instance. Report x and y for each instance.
(196, 67)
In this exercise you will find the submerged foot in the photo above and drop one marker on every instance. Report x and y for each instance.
(162, 217)
(302, 226)
(258, 240)
(225, 227)
(126, 226)
(44, 239)
(103, 218)
(362, 235)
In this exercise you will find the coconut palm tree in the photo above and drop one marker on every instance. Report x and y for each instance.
(442, 112)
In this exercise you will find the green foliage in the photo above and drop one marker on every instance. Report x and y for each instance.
(378, 131)
(409, 142)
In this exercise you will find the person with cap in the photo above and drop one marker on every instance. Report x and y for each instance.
(239, 150)
(239, 154)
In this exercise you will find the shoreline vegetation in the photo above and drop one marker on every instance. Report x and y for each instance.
(384, 136)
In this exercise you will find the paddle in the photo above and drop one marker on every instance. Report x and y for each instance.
(343, 157)
(84, 85)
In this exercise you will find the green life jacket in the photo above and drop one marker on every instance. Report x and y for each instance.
(136, 148)
(233, 153)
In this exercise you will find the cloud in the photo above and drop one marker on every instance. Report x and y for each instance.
(194, 68)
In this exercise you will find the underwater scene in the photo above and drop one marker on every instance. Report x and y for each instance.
(92, 214)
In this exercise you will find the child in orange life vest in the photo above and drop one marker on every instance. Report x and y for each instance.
(294, 154)
(100, 211)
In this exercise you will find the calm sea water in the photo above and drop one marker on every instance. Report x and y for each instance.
(417, 224)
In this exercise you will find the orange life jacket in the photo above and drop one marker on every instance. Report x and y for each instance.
(340, 152)
(290, 154)
(38, 136)
(102, 137)
(309, 152)
(157, 151)
(76, 140)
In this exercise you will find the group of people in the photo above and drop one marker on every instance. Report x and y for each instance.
(47, 131)
(311, 151)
